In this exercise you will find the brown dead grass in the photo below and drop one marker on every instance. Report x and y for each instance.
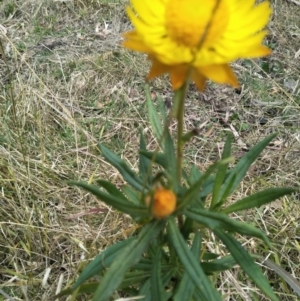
(66, 84)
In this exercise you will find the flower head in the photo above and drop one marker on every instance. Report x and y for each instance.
(164, 203)
(197, 38)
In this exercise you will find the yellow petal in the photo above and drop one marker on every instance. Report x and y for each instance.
(154, 10)
(134, 42)
(157, 68)
(220, 73)
(256, 19)
(198, 79)
(178, 75)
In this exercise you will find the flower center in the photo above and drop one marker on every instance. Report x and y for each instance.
(195, 23)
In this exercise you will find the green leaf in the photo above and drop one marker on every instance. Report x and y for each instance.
(241, 168)
(162, 109)
(88, 288)
(292, 281)
(187, 287)
(157, 288)
(145, 264)
(191, 264)
(195, 175)
(187, 228)
(218, 220)
(130, 256)
(133, 195)
(189, 135)
(221, 173)
(111, 189)
(258, 199)
(218, 265)
(144, 163)
(127, 173)
(154, 118)
(209, 256)
(192, 192)
(158, 158)
(247, 263)
(134, 278)
(171, 159)
(102, 261)
(208, 184)
(146, 288)
(136, 211)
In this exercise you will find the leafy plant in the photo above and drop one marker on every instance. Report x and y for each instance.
(167, 257)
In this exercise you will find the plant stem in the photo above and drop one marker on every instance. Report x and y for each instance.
(178, 113)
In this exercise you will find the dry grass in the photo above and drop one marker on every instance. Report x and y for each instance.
(66, 84)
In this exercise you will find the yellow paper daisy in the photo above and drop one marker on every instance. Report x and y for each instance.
(197, 38)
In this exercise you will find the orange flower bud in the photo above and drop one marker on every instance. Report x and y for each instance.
(164, 203)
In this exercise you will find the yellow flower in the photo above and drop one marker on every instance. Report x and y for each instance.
(164, 203)
(197, 38)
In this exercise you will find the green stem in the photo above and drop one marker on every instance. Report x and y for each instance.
(178, 113)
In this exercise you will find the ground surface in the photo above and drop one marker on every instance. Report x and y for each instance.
(66, 84)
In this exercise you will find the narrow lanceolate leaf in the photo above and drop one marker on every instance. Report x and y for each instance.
(146, 291)
(158, 158)
(208, 184)
(154, 118)
(144, 162)
(133, 278)
(171, 159)
(247, 263)
(218, 265)
(127, 173)
(111, 189)
(191, 264)
(292, 281)
(102, 261)
(136, 211)
(130, 256)
(192, 192)
(187, 286)
(217, 220)
(241, 168)
(258, 199)
(132, 194)
(221, 173)
(162, 109)
(157, 288)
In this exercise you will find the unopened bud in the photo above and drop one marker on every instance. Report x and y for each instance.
(164, 203)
